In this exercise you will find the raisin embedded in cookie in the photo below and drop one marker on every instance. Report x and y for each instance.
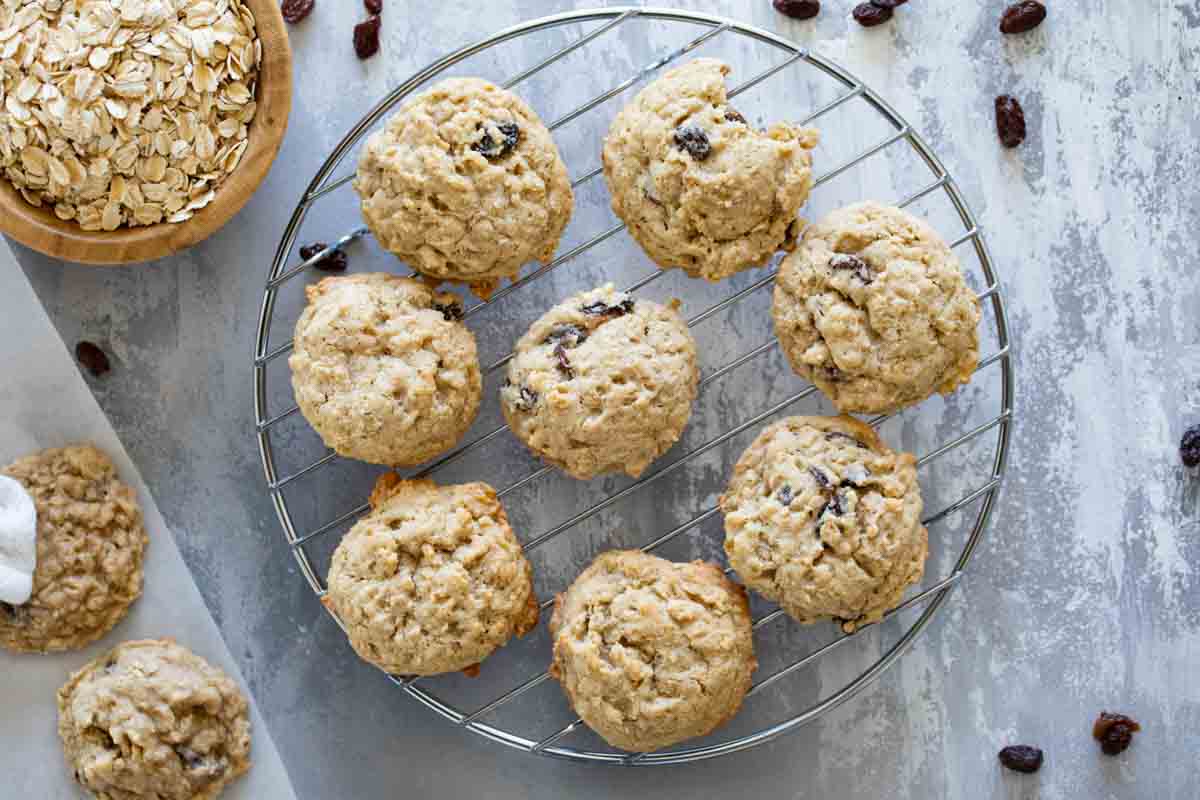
(465, 183)
(650, 652)
(383, 369)
(432, 580)
(699, 186)
(873, 309)
(602, 383)
(151, 719)
(824, 519)
(90, 546)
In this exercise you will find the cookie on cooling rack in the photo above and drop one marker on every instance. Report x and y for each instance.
(383, 368)
(151, 719)
(465, 183)
(602, 383)
(432, 580)
(824, 519)
(873, 308)
(90, 547)
(700, 187)
(652, 652)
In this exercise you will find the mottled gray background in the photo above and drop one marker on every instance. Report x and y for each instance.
(1085, 593)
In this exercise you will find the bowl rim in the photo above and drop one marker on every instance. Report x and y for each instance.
(39, 229)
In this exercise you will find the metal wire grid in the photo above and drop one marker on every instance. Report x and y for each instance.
(931, 598)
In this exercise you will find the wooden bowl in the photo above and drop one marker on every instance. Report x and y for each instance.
(41, 230)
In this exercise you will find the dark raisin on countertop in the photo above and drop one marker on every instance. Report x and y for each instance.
(333, 261)
(366, 36)
(1189, 447)
(1022, 758)
(489, 148)
(693, 140)
(888, 3)
(1114, 732)
(846, 261)
(798, 9)
(296, 10)
(869, 15)
(1023, 16)
(92, 358)
(374, 6)
(1010, 121)
(451, 312)
(602, 309)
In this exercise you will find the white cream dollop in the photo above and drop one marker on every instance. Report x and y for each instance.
(18, 542)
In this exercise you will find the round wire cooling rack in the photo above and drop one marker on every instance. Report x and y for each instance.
(929, 601)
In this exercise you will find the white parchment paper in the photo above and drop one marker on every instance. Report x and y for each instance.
(44, 402)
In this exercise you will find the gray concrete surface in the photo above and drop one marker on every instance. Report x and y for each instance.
(1084, 595)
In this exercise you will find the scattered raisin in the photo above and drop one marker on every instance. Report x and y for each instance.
(798, 9)
(366, 36)
(1114, 732)
(869, 15)
(694, 140)
(820, 477)
(602, 309)
(92, 358)
(784, 495)
(888, 3)
(1023, 16)
(1010, 121)
(490, 149)
(1189, 447)
(374, 6)
(564, 363)
(296, 10)
(569, 335)
(733, 115)
(332, 261)
(853, 263)
(1021, 758)
(451, 312)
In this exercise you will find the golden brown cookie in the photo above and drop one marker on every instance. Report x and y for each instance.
(383, 368)
(872, 308)
(824, 519)
(90, 545)
(432, 580)
(651, 652)
(152, 720)
(465, 183)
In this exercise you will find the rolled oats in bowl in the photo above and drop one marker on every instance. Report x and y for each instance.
(125, 112)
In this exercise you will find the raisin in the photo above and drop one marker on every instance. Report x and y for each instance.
(569, 335)
(527, 400)
(374, 6)
(888, 3)
(366, 36)
(1021, 758)
(602, 309)
(694, 140)
(92, 358)
(834, 435)
(733, 115)
(564, 363)
(853, 263)
(451, 312)
(490, 149)
(1010, 121)
(1023, 16)
(820, 477)
(798, 9)
(332, 261)
(834, 506)
(296, 10)
(1114, 732)
(869, 15)
(1189, 447)
(784, 495)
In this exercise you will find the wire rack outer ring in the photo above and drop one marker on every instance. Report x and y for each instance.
(933, 598)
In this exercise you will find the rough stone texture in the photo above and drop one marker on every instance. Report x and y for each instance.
(1084, 596)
